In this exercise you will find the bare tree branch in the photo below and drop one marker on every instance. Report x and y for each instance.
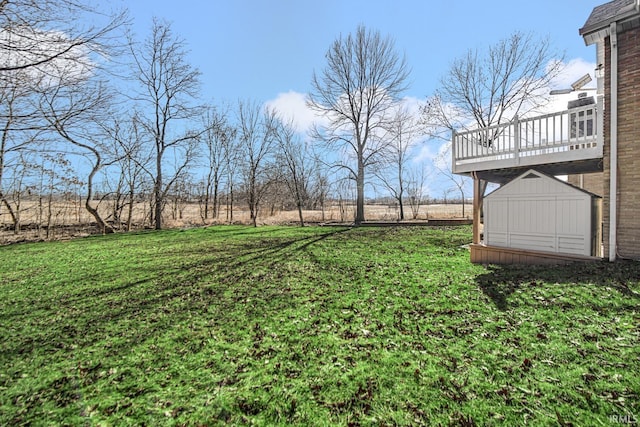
(362, 80)
(256, 136)
(168, 84)
(37, 33)
(483, 89)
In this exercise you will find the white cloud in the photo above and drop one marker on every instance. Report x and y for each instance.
(443, 159)
(425, 154)
(293, 106)
(25, 47)
(412, 104)
(572, 71)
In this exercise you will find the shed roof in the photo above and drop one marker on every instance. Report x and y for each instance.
(532, 173)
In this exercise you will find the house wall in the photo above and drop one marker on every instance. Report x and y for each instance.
(591, 182)
(628, 236)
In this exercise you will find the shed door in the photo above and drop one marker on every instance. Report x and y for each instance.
(547, 223)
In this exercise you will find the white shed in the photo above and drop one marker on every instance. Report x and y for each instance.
(541, 213)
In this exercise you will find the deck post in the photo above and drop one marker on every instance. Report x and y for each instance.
(516, 141)
(453, 151)
(478, 194)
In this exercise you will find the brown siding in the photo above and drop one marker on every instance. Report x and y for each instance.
(628, 142)
(591, 182)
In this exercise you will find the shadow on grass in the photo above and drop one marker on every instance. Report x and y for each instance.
(160, 294)
(500, 282)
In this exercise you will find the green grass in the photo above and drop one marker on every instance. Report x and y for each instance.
(313, 326)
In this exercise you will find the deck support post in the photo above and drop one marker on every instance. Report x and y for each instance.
(517, 136)
(479, 187)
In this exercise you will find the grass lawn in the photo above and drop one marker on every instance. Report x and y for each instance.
(313, 326)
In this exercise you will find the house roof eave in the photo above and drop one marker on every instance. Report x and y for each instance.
(596, 28)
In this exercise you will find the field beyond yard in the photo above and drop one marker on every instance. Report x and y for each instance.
(69, 219)
(311, 326)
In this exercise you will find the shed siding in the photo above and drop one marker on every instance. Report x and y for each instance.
(540, 214)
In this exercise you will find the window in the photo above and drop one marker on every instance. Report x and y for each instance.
(581, 123)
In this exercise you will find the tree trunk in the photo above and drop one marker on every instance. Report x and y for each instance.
(300, 215)
(230, 205)
(206, 200)
(130, 212)
(215, 213)
(400, 186)
(360, 194)
(14, 217)
(299, 203)
(157, 189)
(49, 213)
(104, 227)
(253, 213)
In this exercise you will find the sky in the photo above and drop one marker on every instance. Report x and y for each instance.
(259, 49)
(267, 51)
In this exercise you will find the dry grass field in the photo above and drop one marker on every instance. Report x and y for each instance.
(64, 220)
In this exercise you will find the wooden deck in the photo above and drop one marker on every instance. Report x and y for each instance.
(481, 254)
(564, 138)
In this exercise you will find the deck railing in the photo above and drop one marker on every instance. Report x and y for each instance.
(573, 134)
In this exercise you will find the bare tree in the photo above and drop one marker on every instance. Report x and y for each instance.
(52, 173)
(460, 183)
(37, 33)
(168, 83)
(20, 127)
(416, 190)
(39, 40)
(320, 186)
(256, 127)
(232, 161)
(17, 185)
(482, 89)
(402, 132)
(180, 196)
(74, 109)
(296, 164)
(343, 192)
(127, 146)
(362, 80)
(216, 140)
(485, 89)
